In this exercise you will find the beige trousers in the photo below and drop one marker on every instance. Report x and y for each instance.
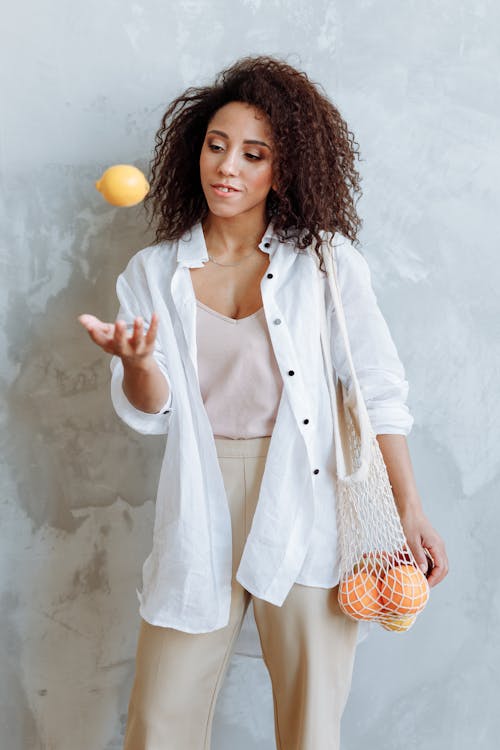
(308, 646)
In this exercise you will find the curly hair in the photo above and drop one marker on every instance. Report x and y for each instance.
(314, 168)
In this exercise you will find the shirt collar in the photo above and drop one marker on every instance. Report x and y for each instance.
(192, 250)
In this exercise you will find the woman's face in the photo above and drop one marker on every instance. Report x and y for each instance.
(236, 161)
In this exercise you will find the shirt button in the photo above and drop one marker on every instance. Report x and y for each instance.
(277, 322)
(269, 276)
(305, 421)
(291, 372)
(316, 471)
(267, 244)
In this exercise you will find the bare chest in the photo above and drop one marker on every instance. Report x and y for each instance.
(231, 291)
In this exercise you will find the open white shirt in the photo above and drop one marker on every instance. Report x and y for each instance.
(187, 576)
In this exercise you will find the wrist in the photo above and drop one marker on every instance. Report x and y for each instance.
(410, 509)
(409, 503)
(139, 364)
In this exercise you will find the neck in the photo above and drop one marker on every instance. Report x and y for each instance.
(234, 236)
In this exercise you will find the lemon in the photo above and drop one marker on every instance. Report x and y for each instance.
(123, 185)
(400, 624)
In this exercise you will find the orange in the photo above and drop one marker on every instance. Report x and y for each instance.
(123, 185)
(404, 590)
(359, 596)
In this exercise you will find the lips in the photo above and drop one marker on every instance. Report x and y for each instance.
(225, 188)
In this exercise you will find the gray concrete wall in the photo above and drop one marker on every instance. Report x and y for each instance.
(83, 86)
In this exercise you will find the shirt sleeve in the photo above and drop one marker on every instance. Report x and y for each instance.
(379, 370)
(135, 301)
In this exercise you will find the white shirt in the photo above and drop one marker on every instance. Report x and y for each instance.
(187, 576)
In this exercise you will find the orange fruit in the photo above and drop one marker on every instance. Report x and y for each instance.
(123, 185)
(404, 590)
(359, 596)
(399, 624)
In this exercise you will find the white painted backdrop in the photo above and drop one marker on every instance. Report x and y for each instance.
(83, 86)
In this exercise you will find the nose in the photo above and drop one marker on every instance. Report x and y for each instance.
(228, 165)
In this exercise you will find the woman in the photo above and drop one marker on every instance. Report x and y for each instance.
(250, 176)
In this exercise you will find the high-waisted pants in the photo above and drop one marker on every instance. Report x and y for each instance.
(308, 645)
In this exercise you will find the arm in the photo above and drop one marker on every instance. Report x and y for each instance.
(140, 386)
(417, 528)
(145, 386)
(384, 387)
(396, 455)
(379, 370)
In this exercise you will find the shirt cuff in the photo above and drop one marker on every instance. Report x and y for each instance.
(385, 393)
(391, 420)
(396, 424)
(146, 423)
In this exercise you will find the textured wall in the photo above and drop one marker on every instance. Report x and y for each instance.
(83, 86)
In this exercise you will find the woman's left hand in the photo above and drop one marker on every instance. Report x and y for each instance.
(421, 536)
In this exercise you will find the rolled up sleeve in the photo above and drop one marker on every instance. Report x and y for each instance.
(134, 301)
(379, 370)
(154, 423)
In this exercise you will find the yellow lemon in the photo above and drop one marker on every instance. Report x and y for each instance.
(123, 185)
(399, 624)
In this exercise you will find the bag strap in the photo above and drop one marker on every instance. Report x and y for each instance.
(352, 399)
(333, 382)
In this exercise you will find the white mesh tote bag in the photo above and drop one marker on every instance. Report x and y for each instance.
(380, 579)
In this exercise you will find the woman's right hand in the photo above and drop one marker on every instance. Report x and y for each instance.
(113, 338)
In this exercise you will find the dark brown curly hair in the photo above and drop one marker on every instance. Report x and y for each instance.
(314, 168)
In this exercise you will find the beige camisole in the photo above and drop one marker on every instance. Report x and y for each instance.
(239, 377)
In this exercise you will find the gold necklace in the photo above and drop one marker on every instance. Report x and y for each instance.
(231, 264)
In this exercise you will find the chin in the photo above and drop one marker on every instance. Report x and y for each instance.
(224, 212)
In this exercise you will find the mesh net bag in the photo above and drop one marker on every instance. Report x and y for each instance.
(380, 579)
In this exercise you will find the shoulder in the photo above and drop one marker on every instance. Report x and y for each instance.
(149, 268)
(349, 261)
(153, 259)
(342, 246)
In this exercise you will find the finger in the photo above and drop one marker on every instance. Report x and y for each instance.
(427, 552)
(152, 330)
(120, 337)
(439, 569)
(89, 321)
(100, 337)
(436, 575)
(422, 560)
(436, 551)
(419, 554)
(102, 334)
(137, 332)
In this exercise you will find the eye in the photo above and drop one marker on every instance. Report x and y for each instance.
(214, 147)
(253, 157)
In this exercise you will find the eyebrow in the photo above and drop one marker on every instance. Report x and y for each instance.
(247, 140)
